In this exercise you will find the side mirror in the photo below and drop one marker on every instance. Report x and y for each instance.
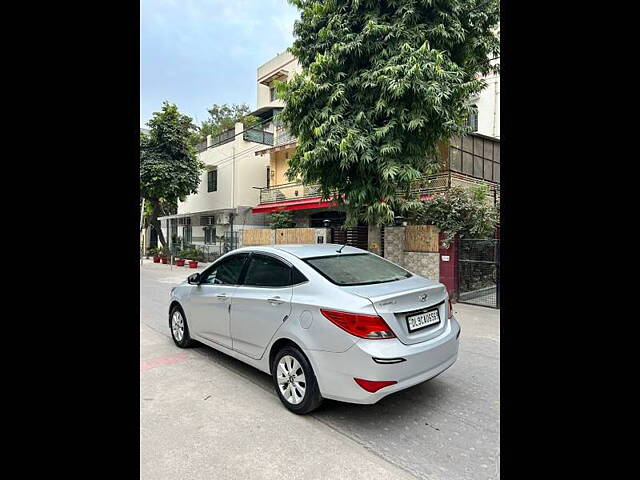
(194, 279)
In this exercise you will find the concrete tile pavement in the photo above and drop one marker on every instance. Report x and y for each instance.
(198, 421)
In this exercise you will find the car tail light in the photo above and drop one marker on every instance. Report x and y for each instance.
(450, 308)
(372, 385)
(360, 325)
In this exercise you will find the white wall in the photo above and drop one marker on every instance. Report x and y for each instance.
(239, 170)
(488, 104)
(285, 61)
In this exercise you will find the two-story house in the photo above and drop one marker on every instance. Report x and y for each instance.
(222, 206)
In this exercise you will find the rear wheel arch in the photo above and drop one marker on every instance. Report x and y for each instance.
(279, 345)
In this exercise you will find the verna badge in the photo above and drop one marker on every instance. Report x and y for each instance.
(423, 298)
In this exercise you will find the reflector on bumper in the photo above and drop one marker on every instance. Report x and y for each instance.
(372, 385)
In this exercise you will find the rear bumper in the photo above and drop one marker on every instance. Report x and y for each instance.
(336, 371)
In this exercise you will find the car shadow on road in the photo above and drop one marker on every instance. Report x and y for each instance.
(406, 406)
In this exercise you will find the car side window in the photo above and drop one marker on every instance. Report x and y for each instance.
(266, 271)
(227, 272)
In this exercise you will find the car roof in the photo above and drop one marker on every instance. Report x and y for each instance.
(307, 250)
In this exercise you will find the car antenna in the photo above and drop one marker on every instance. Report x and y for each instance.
(340, 249)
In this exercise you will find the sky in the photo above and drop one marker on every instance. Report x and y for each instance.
(195, 53)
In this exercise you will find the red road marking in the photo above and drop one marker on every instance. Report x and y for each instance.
(162, 361)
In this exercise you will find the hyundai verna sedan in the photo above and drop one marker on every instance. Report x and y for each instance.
(325, 321)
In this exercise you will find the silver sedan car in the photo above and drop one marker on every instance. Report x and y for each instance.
(325, 321)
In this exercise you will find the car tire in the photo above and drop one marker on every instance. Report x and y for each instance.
(179, 328)
(295, 382)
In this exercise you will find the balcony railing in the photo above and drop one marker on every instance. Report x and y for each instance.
(283, 136)
(288, 191)
(250, 135)
(426, 185)
(429, 184)
(258, 136)
(224, 137)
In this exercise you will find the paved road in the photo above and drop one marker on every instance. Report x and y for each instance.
(217, 416)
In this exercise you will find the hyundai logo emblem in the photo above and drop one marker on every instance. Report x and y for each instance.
(423, 298)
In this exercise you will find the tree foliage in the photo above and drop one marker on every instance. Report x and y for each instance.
(223, 117)
(382, 82)
(282, 219)
(459, 211)
(169, 168)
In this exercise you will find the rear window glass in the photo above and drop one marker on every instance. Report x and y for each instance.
(265, 271)
(359, 269)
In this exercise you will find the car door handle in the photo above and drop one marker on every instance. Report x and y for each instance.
(275, 301)
(222, 296)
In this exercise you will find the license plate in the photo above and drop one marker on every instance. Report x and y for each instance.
(422, 320)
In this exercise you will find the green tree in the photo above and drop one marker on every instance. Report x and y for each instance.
(223, 117)
(169, 168)
(382, 82)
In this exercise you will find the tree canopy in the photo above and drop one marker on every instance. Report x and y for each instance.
(223, 117)
(169, 168)
(382, 83)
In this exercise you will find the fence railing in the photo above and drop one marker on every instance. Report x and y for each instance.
(208, 252)
(288, 191)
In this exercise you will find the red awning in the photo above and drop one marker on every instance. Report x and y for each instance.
(301, 204)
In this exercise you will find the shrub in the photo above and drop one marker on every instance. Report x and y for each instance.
(458, 211)
(282, 219)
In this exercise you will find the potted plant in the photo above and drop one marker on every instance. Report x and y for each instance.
(166, 254)
(155, 252)
(192, 255)
(180, 259)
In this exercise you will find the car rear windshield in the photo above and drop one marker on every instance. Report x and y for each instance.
(357, 269)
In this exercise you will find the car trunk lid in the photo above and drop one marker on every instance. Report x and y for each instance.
(395, 301)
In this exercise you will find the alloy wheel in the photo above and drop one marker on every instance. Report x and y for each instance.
(177, 326)
(291, 380)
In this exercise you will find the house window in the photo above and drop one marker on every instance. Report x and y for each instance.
(186, 235)
(272, 93)
(209, 237)
(212, 180)
(472, 118)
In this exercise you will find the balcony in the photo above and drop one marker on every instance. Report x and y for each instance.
(441, 182)
(225, 137)
(287, 191)
(430, 184)
(283, 137)
(258, 136)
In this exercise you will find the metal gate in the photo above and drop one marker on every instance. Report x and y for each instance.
(230, 241)
(353, 236)
(479, 272)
